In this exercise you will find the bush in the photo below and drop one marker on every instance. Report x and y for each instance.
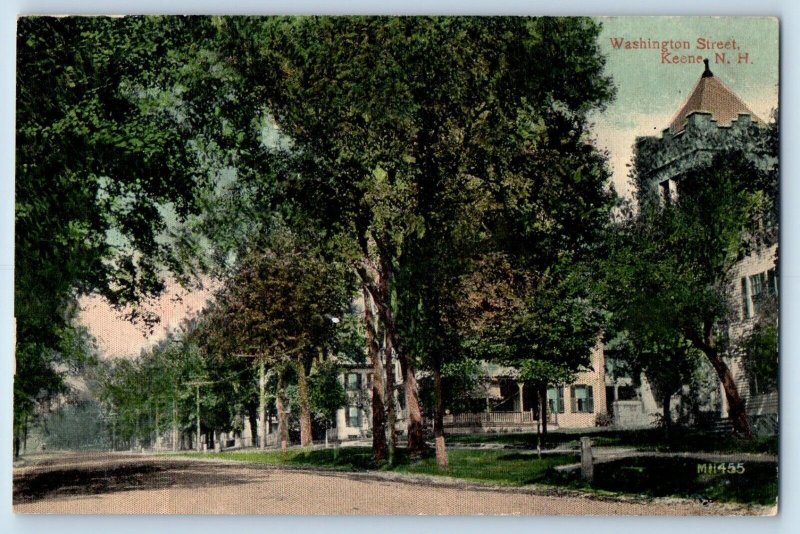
(603, 419)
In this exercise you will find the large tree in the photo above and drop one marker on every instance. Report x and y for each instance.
(670, 272)
(282, 305)
(383, 112)
(104, 163)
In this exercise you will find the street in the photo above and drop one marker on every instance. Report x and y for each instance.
(143, 484)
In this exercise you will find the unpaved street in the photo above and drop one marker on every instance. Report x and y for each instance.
(136, 484)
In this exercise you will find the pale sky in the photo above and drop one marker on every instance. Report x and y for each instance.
(649, 93)
(117, 337)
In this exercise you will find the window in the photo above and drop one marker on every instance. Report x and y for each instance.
(746, 311)
(772, 282)
(668, 191)
(666, 196)
(582, 399)
(555, 400)
(758, 287)
(354, 417)
(353, 381)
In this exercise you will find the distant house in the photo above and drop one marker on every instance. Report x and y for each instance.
(354, 421)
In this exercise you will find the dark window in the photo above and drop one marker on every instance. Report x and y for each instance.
(772, 282)
(353, 381)
(758, 288)
(555, 400)
(582, 399)
(666, 196)
(354, 417)
(746, 312)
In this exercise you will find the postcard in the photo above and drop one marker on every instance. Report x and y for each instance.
(378, 265)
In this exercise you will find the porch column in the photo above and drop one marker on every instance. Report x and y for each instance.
(521, 386)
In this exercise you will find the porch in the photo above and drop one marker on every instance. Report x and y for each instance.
(464, 423)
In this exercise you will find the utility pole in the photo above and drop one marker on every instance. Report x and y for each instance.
(262, 398)
(197, 384)
(262, 403)
(174, 421)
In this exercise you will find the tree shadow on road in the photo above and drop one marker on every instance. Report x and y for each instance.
(100, 480)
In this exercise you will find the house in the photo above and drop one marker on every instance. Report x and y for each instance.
(354, 421)
(512, 405)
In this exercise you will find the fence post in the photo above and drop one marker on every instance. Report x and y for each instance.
(587, 462)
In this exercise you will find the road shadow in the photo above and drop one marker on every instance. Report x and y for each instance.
(68, 481)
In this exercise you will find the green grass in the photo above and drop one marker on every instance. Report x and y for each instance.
(655, 477)
(497, 467)
(648, 439)
(660, 477)
(342, 459)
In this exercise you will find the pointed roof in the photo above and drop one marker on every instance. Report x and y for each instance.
(712, 96)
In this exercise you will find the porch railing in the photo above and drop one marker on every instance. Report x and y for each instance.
(494, 419)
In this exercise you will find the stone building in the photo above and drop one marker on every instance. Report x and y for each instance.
(712, 120)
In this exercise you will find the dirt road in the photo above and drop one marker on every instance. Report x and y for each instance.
(136, 484)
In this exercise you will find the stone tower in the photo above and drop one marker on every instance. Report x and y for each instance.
(711, 120)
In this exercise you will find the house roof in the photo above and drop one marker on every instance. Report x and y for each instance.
(712, 96)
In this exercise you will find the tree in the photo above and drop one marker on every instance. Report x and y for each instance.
(670, 270)
(382, 112)
(326, 392)
(668, 363)
(104, 161)
(282, 304)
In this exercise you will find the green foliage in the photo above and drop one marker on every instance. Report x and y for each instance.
(104, 166)
(759, 349)
(544, 372)
(326, 393)
(669, 271)
(138, 395)
(463, 387)
(284, 302)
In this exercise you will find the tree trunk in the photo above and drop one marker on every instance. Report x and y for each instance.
(175, 431)
(253, 419)
(379, 450)
(381, 297)
(261, 430)
(305, 408)
(665, 404)
(736, 407)
(17, 441)
(543, 408)
(438, 420)
(416, 439)
(391, 412)
(283, 427)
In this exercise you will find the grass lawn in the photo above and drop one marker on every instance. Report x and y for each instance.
(660, 477)
(497, 467)
(656, 477)
(647, 439)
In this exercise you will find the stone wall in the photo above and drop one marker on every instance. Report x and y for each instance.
(657, 159)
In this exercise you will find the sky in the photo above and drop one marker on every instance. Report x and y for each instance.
(649, 92)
